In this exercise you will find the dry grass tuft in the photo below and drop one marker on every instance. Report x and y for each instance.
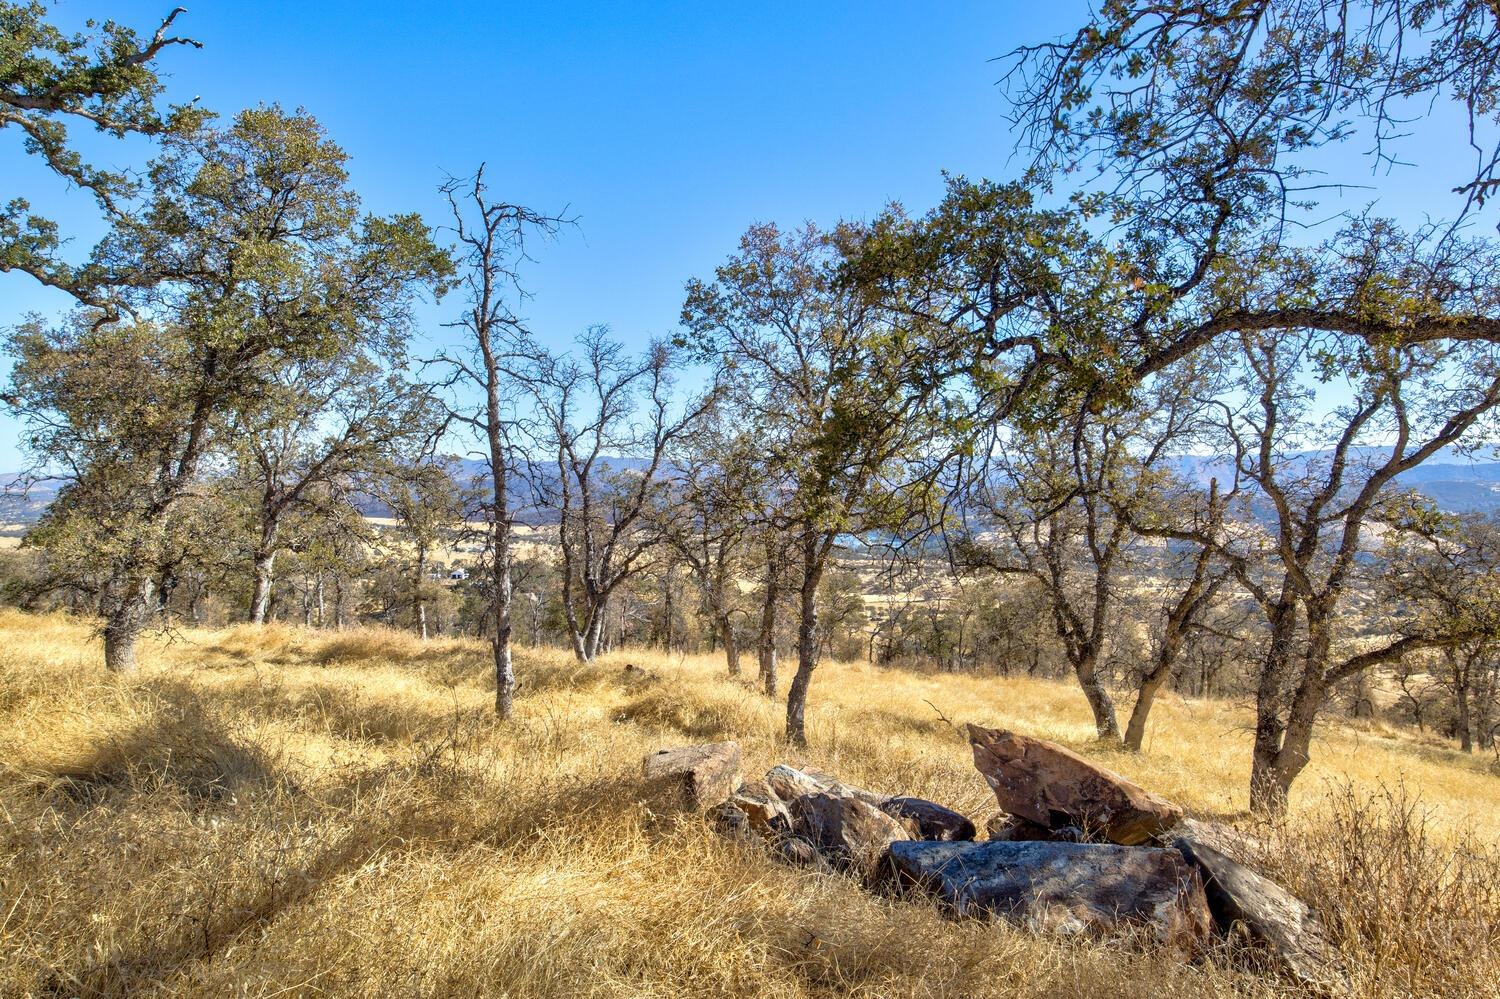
(277, 812)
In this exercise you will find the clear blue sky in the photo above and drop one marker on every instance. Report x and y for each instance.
(667, 127)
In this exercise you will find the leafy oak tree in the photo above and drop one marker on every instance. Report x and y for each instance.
(106, 77)
(250, 255)
(834, 393)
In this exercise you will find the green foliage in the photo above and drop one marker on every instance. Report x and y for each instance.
(106, 77)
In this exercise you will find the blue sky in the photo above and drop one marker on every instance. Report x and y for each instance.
(666, 127)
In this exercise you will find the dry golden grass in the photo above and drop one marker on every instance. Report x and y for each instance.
(277, 812)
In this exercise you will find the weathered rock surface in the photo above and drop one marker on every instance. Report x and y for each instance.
(851, 834)
(1270, 915)
(1068, 888)
(765, 812)
(928, 820)
(1055, 787)
(693, 778)
(789, 782)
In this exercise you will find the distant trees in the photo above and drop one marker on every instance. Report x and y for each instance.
(707, 517)
(427, 505)
(312, 432)
(606, 421)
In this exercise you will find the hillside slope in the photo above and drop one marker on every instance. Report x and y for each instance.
(282, 812)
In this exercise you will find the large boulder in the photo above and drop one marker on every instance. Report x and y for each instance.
(1243, 900)
(1055, 787)
(850, 834)
(1068, 888)
(694, 778)
(929, 820)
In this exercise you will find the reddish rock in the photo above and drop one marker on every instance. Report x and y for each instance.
(1068, 888)
(694, 778)
(1055, 787)
(764, 810)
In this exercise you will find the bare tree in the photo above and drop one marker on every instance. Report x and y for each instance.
(491, 247)
(608, 420)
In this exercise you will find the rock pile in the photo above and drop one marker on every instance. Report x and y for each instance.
(1077, 848)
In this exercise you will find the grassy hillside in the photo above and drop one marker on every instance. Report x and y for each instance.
(281, 812)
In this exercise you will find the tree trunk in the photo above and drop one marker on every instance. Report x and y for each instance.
(1135, 730)
(807, 643)
(1459, 663)
(593, 635)
(1106, 725)
(123, 625)
(418, 591)
(731, 648)
(766, 641)
(260, 596)
(1267, 787)
(1151, 684)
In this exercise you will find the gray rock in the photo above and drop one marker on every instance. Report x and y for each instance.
(693, 778)
(788, 782)
(929, 820)
(1241, 900)
(851, 834)
(1068, 888)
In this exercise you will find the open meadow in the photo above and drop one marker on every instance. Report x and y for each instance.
(274, 811)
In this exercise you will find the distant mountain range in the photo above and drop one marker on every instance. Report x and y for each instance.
(1456, 483)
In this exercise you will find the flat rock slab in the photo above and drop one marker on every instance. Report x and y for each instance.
(929, 820)
(1270, 915)
(1055, 787)
(850, 834)
(1068, 888)
(694, 778)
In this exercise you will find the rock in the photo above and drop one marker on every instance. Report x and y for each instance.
(765, 812)
(730, 820)
(929, 820)
(801, 852)
(693, 778)
(1271, 916)
(1002, 828)
(851, 834)
(789, 782)
(1055, 787)
(1068, 888)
